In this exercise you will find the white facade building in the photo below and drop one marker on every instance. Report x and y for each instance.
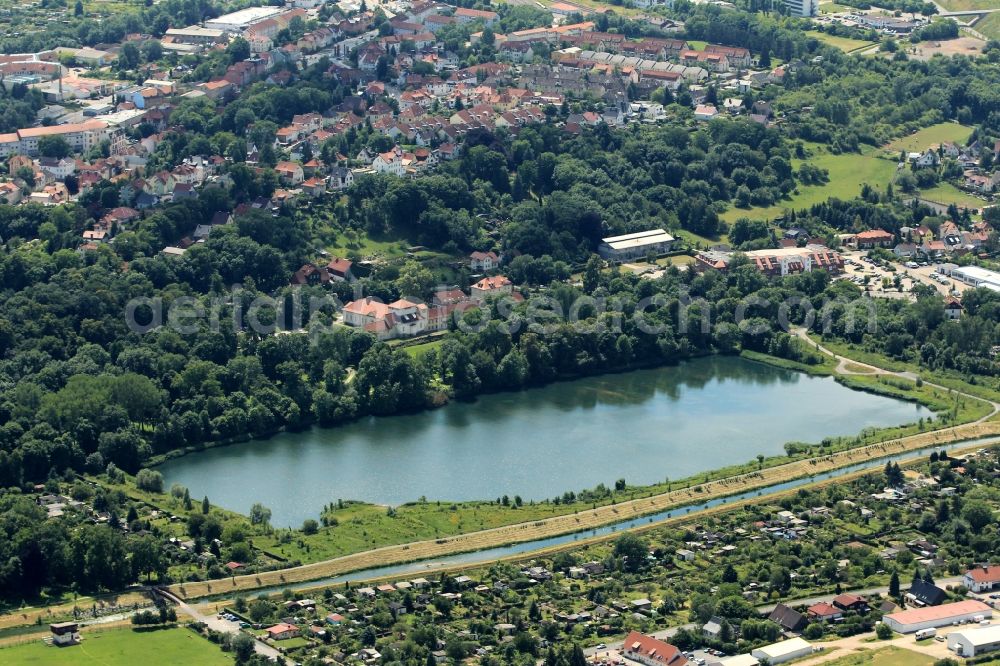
(803, 8)
(974, 642)
(779, 653)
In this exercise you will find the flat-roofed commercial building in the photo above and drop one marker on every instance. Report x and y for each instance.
(81, 137)
(243, 19)
(932, 617)
(977, 277)
(779, 653)
(195, 35)
(635, 246)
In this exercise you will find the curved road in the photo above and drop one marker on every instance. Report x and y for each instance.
(842, 369)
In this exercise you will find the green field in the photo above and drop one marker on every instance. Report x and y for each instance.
(989, 25)
(890, 656)
(847, 174)
(966, 5)
(365, 246)
(123, 647)
(946, 193)
(929, 136)
(834, 8)
(416, 351)
(697, 45)
(845, 44)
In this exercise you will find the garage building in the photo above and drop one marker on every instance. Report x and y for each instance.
(974, 642)
(779, 653)
(932, 617)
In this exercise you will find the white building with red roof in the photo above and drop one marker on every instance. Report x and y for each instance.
(399, 319)
(985, 577)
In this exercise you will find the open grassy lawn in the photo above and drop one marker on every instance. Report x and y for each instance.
(847, 174)
(698, 241)
(989, 25)
(889, 656)
(365, 245)
(697, 44)
(834, 8)
(845, 44)
(946, 193)
(123, 647)
(965, 5)
(929, 136)
(416, 351)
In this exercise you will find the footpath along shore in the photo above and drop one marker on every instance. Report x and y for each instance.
(586, 520)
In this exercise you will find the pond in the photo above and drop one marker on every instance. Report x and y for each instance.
(642, 426)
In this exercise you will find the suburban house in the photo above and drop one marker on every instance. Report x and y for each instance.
(851, 602)
(484, 261)
(787, 618)
(824, 612)
(339, 270)
(705, 112)
(866, 240)
(953, 311)
(923, 593)
(490, 286)
(651, 652)
(713, 628)
(280, 632)
(983, 578)
(310, 274)
(341, 178)
(290, 172)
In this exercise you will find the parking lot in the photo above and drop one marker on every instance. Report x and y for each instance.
(857, 267)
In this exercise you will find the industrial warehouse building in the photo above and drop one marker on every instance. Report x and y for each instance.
(932, 617)
(974, 642)
(779, 653)
(635, 246)
(974, 276)
(738, 660)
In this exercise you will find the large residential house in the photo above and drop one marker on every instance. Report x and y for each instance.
(399, 319)
(866, 240)
(390, 162)
(490, 286)
(484, 261)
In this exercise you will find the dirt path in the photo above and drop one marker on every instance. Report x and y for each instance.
(844, 363)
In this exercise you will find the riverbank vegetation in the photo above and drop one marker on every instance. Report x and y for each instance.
(730, 564)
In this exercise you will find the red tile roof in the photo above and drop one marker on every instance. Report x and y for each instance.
(652, 649)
